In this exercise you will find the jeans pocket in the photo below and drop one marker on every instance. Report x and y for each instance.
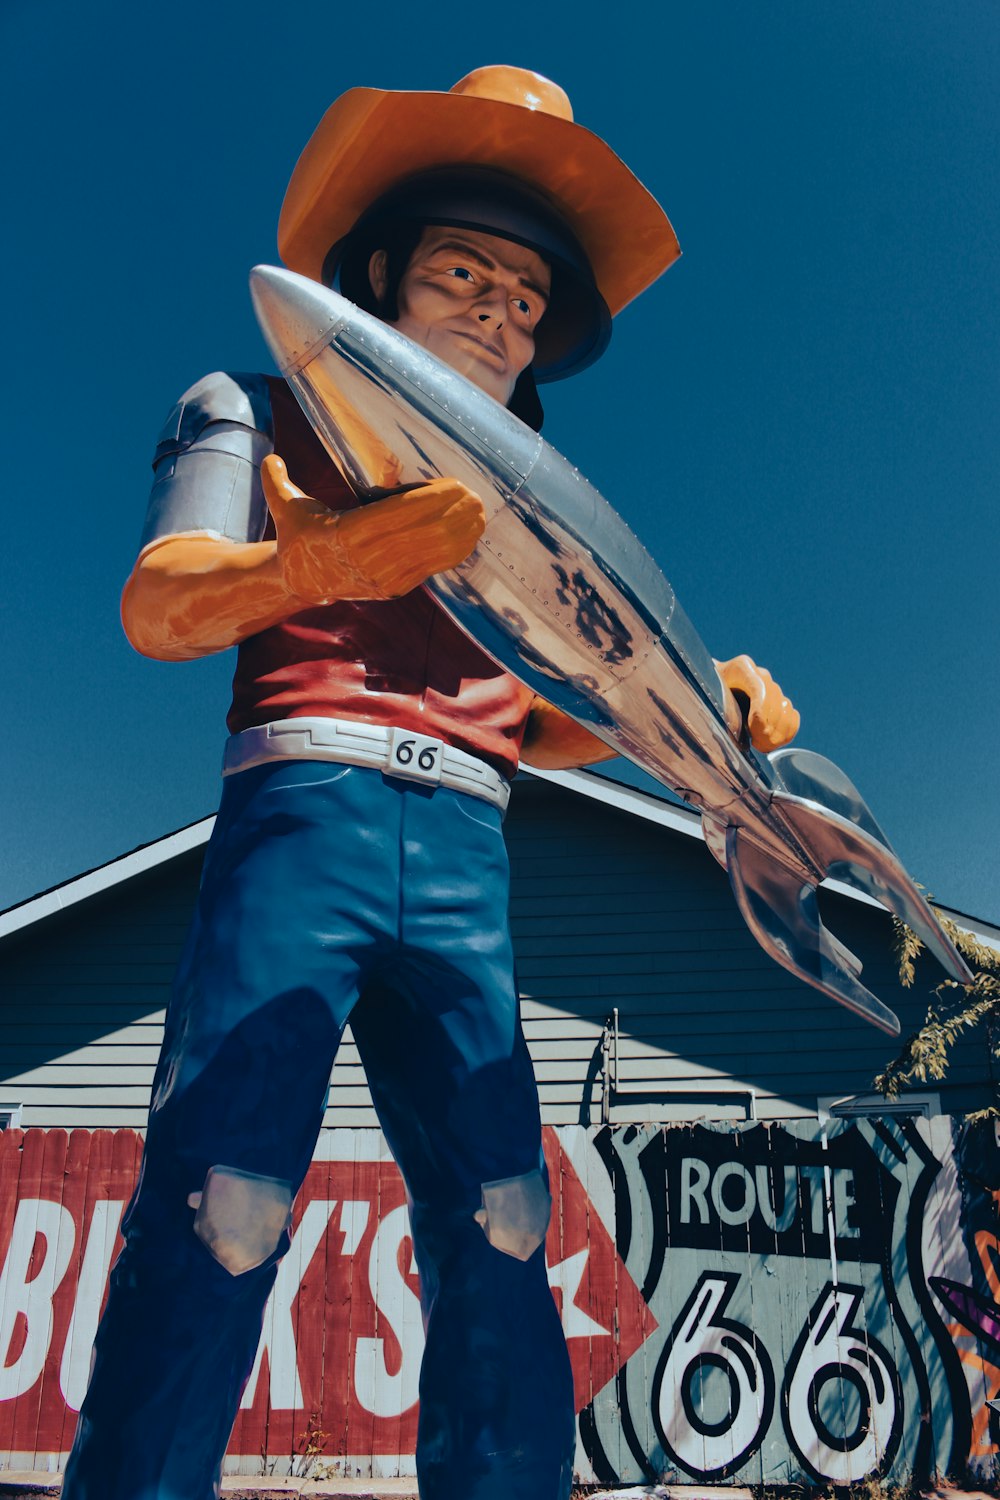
(290, 775)
(477, 810)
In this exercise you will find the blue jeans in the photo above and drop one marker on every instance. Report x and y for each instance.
(333, 892)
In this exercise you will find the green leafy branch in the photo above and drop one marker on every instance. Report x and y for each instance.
(956, 1009)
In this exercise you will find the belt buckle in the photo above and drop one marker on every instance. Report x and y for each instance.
(414, 757)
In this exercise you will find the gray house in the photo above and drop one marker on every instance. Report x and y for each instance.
(645, 998)
(766, 1274)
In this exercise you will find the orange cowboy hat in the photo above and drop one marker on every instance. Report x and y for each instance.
(501, 132)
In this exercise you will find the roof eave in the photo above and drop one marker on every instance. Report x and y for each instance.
(589, 784)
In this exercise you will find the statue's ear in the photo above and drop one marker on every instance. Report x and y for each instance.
(378, 274)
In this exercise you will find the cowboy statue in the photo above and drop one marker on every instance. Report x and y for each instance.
(491, 229)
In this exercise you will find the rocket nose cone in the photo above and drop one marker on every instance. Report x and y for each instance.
(296, 316)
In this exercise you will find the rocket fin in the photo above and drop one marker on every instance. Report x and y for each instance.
(781, 911)
(845, 851)
(805, 774)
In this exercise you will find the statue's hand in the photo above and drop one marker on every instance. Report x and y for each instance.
(380, 550)
(770, 718)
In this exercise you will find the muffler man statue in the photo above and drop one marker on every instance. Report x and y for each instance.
(494, 231)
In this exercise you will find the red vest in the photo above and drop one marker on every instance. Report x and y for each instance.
(394, 661)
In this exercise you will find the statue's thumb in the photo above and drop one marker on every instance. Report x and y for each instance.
(279, 491)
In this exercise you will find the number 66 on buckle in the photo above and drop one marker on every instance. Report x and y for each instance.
(416, 757)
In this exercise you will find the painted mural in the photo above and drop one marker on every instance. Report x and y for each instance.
(824, 1300)
(756, 1304)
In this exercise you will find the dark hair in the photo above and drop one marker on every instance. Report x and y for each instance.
(399, 239)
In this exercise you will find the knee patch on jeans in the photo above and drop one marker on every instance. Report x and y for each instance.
(240, 1217)
(515, 1214)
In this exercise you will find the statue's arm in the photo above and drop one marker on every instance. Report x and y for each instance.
(206, 579)
(192, 595)
(555, 742)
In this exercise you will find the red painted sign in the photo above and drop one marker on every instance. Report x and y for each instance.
(61, 1201)
(342, 1341)
(604, 1316)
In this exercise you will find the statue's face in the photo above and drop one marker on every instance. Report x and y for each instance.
(474, 300)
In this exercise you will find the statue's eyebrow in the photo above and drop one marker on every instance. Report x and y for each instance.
(462, 247)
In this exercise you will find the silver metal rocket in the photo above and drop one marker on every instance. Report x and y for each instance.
(564, 597)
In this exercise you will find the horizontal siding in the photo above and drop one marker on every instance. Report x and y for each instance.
(83, 999)
(607, 911)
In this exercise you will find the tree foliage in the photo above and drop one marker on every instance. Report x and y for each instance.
(954, 1010)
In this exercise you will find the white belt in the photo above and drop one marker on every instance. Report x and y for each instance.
(396, 751)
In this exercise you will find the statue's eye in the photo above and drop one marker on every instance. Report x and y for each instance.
(522, 306)
(461, 272)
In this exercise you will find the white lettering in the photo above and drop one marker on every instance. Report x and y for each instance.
(382, 1394)
(31, 1299)
(816, 1178)
(842, 1392)
(74, 1372)
(740, 1213)
(826, 1196)
(694, 1181)
(278, 1335)
(843, 1201)
(789, 1200)
(703, 1339)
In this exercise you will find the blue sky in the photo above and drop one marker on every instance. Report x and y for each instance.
(800, 420)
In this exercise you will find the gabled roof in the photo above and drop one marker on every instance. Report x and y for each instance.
(601, 789)
(685, 820)
(146, 857)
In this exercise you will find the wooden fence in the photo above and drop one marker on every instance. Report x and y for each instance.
(754, 1304)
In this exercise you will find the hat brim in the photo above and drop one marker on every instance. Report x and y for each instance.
(370, 139)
